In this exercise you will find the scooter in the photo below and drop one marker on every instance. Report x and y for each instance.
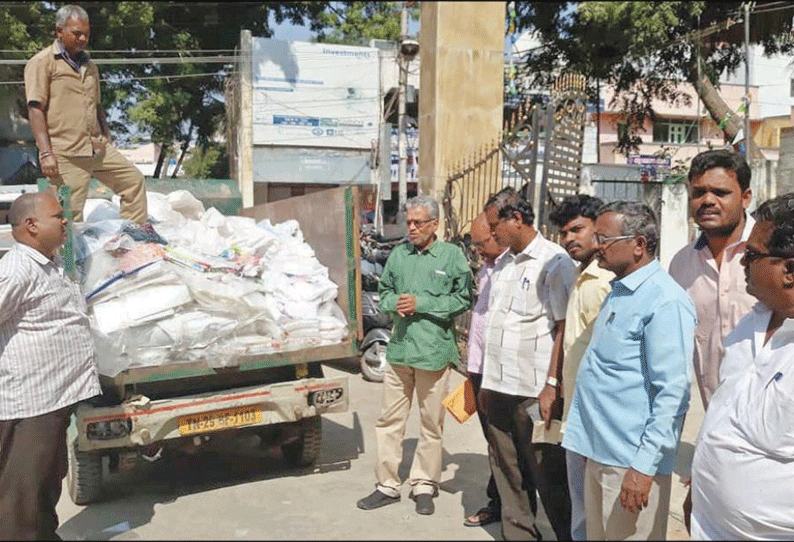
(375, 251)
(377, 330)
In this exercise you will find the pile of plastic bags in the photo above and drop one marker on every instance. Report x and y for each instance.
(195, 285)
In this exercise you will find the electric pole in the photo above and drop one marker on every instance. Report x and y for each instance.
(402, 62)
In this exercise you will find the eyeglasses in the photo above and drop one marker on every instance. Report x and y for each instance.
(418, 223)
(601, 240)
(751, 255)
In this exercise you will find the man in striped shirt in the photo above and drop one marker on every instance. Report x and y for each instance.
(46, 367)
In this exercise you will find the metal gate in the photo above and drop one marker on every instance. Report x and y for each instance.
(539, 153)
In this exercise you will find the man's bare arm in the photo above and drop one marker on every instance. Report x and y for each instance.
(551, 394)
(38, 124)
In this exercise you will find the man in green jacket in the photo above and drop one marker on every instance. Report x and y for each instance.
(424, 285)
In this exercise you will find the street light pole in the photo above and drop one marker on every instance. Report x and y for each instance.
(746, 80)
(402, 62)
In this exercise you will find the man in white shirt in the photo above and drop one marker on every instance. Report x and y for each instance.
(743, 467)
(523, 347)
(46, 367)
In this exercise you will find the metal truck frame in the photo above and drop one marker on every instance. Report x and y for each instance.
(280, 397)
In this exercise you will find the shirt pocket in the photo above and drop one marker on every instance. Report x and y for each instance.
(616, 334)
(437, 283)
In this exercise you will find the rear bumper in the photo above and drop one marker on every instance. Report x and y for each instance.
(150, 421)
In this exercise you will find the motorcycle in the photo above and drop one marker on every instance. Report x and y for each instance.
(375, 251)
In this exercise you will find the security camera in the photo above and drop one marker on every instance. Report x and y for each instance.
(409, 48)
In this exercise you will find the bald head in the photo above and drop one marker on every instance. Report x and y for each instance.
(24, 207)
(37, 221)
(483, 241)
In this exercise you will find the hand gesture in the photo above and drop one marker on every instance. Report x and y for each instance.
(406, 305)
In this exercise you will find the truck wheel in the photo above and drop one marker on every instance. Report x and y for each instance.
(373, 362)
(306, 449)
(84, 476)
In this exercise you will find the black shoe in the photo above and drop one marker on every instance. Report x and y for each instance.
(424, 504)
(375, 500)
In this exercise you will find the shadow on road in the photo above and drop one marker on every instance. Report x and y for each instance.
(471, 476)
(129, 498)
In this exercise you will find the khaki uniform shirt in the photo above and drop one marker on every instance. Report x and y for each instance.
(69, 100)
(720, 297)
(591, 287)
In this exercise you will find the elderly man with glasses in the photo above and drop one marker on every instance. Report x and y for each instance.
(743, 468)
(632, 388)
(425, 284)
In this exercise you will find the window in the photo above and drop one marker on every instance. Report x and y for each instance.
(792, 88)
(623, 131)
(675, 132)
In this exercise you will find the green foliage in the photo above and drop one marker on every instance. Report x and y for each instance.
(356, 23)
(641, 48)
(208, 162)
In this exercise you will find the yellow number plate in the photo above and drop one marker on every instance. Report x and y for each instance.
(219, 419)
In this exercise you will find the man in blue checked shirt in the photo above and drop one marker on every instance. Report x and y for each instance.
(632, 388)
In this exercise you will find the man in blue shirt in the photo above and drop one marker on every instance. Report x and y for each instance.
(632, 388)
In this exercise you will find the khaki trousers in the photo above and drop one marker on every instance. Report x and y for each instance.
(608, 520)
(33, 463)
(110, 167)
(399, 383)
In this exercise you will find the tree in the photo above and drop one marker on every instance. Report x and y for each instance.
(356, 23)
(644, 48)
(208, 162)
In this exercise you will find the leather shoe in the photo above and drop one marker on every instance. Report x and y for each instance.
(424, 504)
(375, 500)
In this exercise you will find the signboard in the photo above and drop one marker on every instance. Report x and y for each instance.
(315, 94)
(411, 152)
(648, 160)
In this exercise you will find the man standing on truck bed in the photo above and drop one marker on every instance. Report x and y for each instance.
(46, 367)
(69, 124)
(424, 285)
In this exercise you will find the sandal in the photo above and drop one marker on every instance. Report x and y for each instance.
(484, 516)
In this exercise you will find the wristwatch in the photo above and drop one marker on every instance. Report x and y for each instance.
(553, 382)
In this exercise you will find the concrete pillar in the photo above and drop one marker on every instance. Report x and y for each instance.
(461, 86)
(674, 222)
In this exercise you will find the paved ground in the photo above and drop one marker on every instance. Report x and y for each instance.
(237, 495)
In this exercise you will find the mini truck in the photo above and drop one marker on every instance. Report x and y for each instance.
(280, 397)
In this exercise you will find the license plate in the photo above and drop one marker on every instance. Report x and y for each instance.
(326, 397)
(219, 419)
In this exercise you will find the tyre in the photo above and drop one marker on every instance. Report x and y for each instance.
(84, 477)
(373, 362)
(305, 451)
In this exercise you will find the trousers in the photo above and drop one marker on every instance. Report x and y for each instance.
(113, 170)
(33, 464)
(608, 520)
(399, 384)
(494, 502)
(518, 464)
